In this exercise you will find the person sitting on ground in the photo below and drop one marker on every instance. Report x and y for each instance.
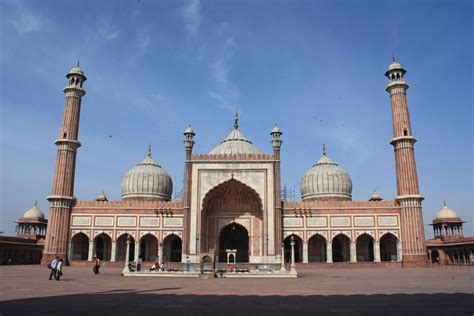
(130, 267)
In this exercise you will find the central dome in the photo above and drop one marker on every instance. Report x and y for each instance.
(147, 180)
(326, 180)
(235, 143)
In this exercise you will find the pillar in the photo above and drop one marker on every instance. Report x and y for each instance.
(137, 251)
(399, 251)
(69, 250)
(353, 252)
(305, 252)
(283, 257)
(292, 243)
(376, 251)
(160, 252)
(329, 252)
(91, 250)
(114, 248)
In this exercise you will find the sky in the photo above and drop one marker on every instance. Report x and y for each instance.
(315, 68)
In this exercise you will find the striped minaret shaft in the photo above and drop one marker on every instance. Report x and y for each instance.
(408, 192)
(62, 195)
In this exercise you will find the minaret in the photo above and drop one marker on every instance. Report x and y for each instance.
(408, 193)
(188, 145)
(62, 196)
(276, 144)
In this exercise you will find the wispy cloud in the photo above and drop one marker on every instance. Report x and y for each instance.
(25, 20)
(223, 102)
(105, 31)
(192, 16)
(147, 102)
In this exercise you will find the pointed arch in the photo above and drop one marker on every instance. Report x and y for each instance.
(341, 251)
(365, 248)
(298, 248)
(317, 248)
(172, 248)
(388, 247)
(80, 246)
(148, 247)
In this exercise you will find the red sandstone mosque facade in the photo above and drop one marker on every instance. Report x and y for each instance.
(232, 200)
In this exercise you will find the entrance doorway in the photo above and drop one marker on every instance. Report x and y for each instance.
(234, 236)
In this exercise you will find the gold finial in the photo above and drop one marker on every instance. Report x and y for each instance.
(236, 120)
(324, 149)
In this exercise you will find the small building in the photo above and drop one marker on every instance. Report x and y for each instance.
(449, 245)
(27, 246)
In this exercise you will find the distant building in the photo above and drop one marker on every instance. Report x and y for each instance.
(27, 246)
(449, 245)
(232, 201)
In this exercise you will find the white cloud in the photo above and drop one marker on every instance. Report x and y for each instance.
(105, 31)
(220, 68)
(192, 16)
(25, 20)
(144, 40)
(223, 102)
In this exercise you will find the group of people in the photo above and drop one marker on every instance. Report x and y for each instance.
(56, 267)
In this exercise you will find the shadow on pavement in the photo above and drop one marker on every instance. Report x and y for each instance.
(141, 302)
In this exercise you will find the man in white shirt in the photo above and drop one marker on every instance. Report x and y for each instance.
(53, 266)
(59, 269)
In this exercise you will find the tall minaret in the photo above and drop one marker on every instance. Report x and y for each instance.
(188, 145)
(62, 196)
(276, 144)
(408, 193)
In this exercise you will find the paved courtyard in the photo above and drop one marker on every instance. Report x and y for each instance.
(388, 291)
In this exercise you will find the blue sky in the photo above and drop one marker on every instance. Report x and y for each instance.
(314, 67)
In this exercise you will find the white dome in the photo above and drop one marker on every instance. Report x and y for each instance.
(326, 180)
(76, 70)
(446, 212)
(147, 180)
(235, 143)
(34, 213)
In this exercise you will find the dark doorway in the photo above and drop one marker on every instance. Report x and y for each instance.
(388, 247)
(365, 248)
(172, 248)
(234, 236)
(80, 247)
(103, 247)
(341, 248)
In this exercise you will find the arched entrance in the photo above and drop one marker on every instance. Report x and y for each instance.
(234, 236)
(148, 248)
(341, 251)
(80, 247)
(172, 248)
(232, 203)
(103, 247)
(298, 248)
(317, 249)
(388, 247)
(121, 249)
(365, 248)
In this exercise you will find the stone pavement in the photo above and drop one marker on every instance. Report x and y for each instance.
(388, 291)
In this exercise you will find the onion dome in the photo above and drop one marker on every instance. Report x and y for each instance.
(34, 213)
(446, 212)
(147, 180)
(235, 143)
(275, 130)
(189, 130)
(375, 197)
(102, 197)
(326, 180)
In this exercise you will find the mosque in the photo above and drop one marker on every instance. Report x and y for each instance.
(232, 201)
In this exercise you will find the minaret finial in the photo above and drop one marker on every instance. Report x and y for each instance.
(236, 120)
(36, 203)
(324, 149)
(78, 62)
(393, 57)
(445, 203)
(149, 150)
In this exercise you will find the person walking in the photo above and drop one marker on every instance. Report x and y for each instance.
(59, 269)
(96, 266)
(188, 263)
(139, 264)
(52, 266)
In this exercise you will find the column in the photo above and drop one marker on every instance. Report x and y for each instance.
(353, 253)
(305, 252)
(292, 243)
(112, 254)
(376, 251)
(283, 257)
(69, 256)
(399, 251)
(91, 250)
(127, 256)
(137, 251)
(160, 252)
(329, 252)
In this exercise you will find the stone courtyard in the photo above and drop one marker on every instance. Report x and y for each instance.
(25, 290)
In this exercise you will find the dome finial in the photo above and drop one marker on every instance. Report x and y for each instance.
(236, 120)
(324, 149)
(78, 62)
(393, 57)
(149, 150)
(36, 203)
(445, 203)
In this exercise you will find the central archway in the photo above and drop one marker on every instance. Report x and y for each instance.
(234, 236)
(232, 212)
